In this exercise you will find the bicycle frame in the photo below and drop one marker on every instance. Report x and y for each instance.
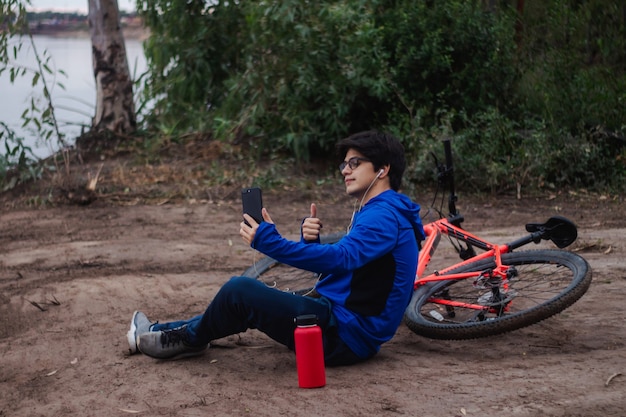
(559, 230)
(451, 227)
(434, 231)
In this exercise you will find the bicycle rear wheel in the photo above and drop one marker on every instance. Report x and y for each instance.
(285, 277)
(543, 283)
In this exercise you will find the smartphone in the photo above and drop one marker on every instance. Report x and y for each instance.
(252, 201)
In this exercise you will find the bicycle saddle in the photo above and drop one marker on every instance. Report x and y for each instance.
(561, 231)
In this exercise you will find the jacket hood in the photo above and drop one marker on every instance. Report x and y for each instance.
(407, 208)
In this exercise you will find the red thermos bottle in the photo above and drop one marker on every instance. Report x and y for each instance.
(309, 352)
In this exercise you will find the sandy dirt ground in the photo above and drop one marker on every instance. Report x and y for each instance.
(71, 277)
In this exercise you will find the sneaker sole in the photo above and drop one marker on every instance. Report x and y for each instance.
(190, 353)
(132, 336)
(186, 355)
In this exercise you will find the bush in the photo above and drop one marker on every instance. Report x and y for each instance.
(297, 77)
(289, 78)
(573, 64)
(493, 153)
(449, 55)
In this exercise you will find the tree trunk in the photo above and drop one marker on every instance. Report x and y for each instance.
(115, 109)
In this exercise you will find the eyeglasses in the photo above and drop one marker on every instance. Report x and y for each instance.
(353, 163)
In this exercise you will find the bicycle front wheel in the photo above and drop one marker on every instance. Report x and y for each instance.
(542, 284)
(285, 277)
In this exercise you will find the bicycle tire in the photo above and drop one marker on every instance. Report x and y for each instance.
(547, 282)
(285, 277)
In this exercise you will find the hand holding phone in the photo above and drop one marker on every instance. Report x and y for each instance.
(252, 201)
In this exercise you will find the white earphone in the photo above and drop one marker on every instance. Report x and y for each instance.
(380, 172)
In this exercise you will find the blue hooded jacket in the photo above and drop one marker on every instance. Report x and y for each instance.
(368, 275)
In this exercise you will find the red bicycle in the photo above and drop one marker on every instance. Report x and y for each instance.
(489, 292)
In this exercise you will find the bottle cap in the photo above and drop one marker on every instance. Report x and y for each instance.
(306, 320)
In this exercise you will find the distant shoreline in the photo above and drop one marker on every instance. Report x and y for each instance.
(129, 32)
(137, 33)
(78, 27)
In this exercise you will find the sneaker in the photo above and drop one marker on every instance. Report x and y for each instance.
(138, 326)
(168, 344)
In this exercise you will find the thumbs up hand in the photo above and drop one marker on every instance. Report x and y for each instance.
(311, 226)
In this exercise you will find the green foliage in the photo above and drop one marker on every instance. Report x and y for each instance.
(13, 21)
(574, 60)
(290, 77)
(18, 163)
(310, 70)
(193, 49)
(449, 55)
(494, 153)
(294, 76)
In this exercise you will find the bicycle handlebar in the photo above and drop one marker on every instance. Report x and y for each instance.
(447, 147)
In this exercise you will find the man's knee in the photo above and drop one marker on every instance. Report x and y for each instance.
(238, 285)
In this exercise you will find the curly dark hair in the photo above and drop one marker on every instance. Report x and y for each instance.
(381, 149)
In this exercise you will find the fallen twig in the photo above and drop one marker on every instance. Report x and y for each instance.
(608, 381)
(48, 302)
(36, 304)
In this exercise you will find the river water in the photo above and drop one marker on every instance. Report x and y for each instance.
(75, 105)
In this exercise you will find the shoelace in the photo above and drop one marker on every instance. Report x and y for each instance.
(174, 336)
